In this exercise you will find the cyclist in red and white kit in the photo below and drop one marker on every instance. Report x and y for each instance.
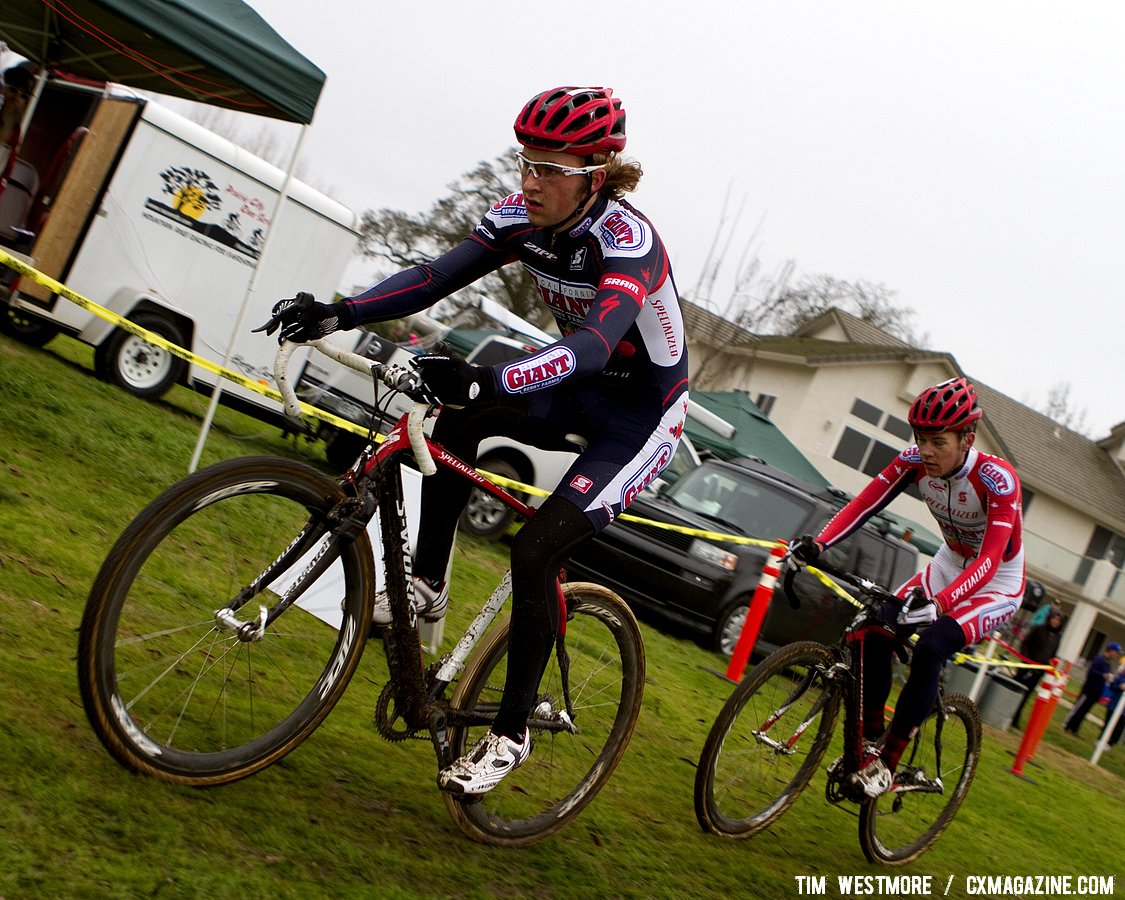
(618, 377)
(975, 582)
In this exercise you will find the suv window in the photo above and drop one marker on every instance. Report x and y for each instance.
(754, 506)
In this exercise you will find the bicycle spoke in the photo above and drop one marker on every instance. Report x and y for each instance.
(898, 827)
(766, 742)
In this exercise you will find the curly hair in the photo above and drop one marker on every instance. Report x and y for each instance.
(621, 174)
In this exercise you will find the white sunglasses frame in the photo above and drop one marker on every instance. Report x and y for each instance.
(534, 168)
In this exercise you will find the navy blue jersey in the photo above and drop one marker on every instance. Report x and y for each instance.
(607, 281)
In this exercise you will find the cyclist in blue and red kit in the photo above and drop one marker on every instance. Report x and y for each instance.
(974, 584)
(618, 377)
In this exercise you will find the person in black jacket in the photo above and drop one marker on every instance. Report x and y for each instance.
(1098, 676)
(1040, 645)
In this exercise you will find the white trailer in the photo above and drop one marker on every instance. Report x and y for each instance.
(161, 221)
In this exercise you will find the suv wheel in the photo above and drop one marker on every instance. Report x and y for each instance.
(484, 515)
(728, 626)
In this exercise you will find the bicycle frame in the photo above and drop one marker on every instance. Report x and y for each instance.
(373, 489)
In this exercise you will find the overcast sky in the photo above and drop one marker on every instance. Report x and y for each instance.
(968, 156)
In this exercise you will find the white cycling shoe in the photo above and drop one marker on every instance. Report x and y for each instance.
(874, 779)
(480, 771)
(430, 602)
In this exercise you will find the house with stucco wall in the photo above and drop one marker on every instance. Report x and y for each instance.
(840, 389)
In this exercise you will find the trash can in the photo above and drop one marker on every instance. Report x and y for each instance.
(959, 679)
(1001, 697)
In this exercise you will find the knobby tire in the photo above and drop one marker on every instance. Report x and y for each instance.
(751, 770)
(565, 770)
(897, 828)
(168, 691)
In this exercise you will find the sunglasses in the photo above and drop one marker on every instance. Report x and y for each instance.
(546, 171)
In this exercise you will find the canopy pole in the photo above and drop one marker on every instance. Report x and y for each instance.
(241, 322)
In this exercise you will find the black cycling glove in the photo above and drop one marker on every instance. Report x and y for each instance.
(453, 381)
(302, 319)
(805, 549)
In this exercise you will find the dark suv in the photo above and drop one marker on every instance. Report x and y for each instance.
(707, 583)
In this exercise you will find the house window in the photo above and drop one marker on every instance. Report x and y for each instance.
(852, 448)
(861, 409)
(867, 455)
(765, 402)
(1104, 544)
(900, 429)
(878, 458)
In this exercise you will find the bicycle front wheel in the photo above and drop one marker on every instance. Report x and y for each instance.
(171, 692)
(767, 741)
(931, 782)
(566, 767)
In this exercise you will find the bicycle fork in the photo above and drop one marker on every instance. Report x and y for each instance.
(351, 517)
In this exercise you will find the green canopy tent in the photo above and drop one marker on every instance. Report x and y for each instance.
(218, 52)
(754, 435)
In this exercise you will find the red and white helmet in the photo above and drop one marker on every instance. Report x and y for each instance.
(949, 406)
(578, 120)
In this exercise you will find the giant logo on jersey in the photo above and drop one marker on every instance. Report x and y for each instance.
(510, 207)
(996, 478)
(911, 455)
(622, 231)
(647, 472)
(538, 371)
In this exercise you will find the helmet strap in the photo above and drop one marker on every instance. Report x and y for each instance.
(577, 212)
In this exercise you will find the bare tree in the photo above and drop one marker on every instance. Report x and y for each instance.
(1061, 409)
(779, 302)
(397, 239)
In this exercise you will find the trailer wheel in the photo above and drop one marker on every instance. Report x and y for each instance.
(29, 329)
(136, 365)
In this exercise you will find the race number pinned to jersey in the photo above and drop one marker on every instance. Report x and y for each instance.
(996, 478)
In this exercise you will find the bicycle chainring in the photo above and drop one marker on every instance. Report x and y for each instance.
(387, 720)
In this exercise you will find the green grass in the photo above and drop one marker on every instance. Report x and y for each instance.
(348, 814)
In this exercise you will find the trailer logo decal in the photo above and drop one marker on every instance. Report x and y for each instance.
(229, 219)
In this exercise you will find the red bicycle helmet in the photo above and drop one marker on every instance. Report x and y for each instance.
(578, 120)
(949, 406)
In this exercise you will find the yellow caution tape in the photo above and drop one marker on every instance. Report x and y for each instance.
(121, 322)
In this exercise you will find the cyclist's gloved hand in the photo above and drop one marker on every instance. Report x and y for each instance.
(303, 319)
(453, 381)
(804, 550)
(918, 609)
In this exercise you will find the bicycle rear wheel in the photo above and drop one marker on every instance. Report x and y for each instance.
(169, 691)
(767, 741)
(565, 770)
(900, 826)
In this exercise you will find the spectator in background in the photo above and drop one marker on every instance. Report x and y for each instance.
(1040, 646)
(1098, 676)
(1116, 690)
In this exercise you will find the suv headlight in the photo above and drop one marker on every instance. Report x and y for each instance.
(715, 555)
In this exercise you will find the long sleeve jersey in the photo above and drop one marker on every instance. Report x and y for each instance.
(607, 282)
(978, 508)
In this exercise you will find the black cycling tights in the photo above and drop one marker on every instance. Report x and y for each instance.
(936, 645)
(539, 550)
